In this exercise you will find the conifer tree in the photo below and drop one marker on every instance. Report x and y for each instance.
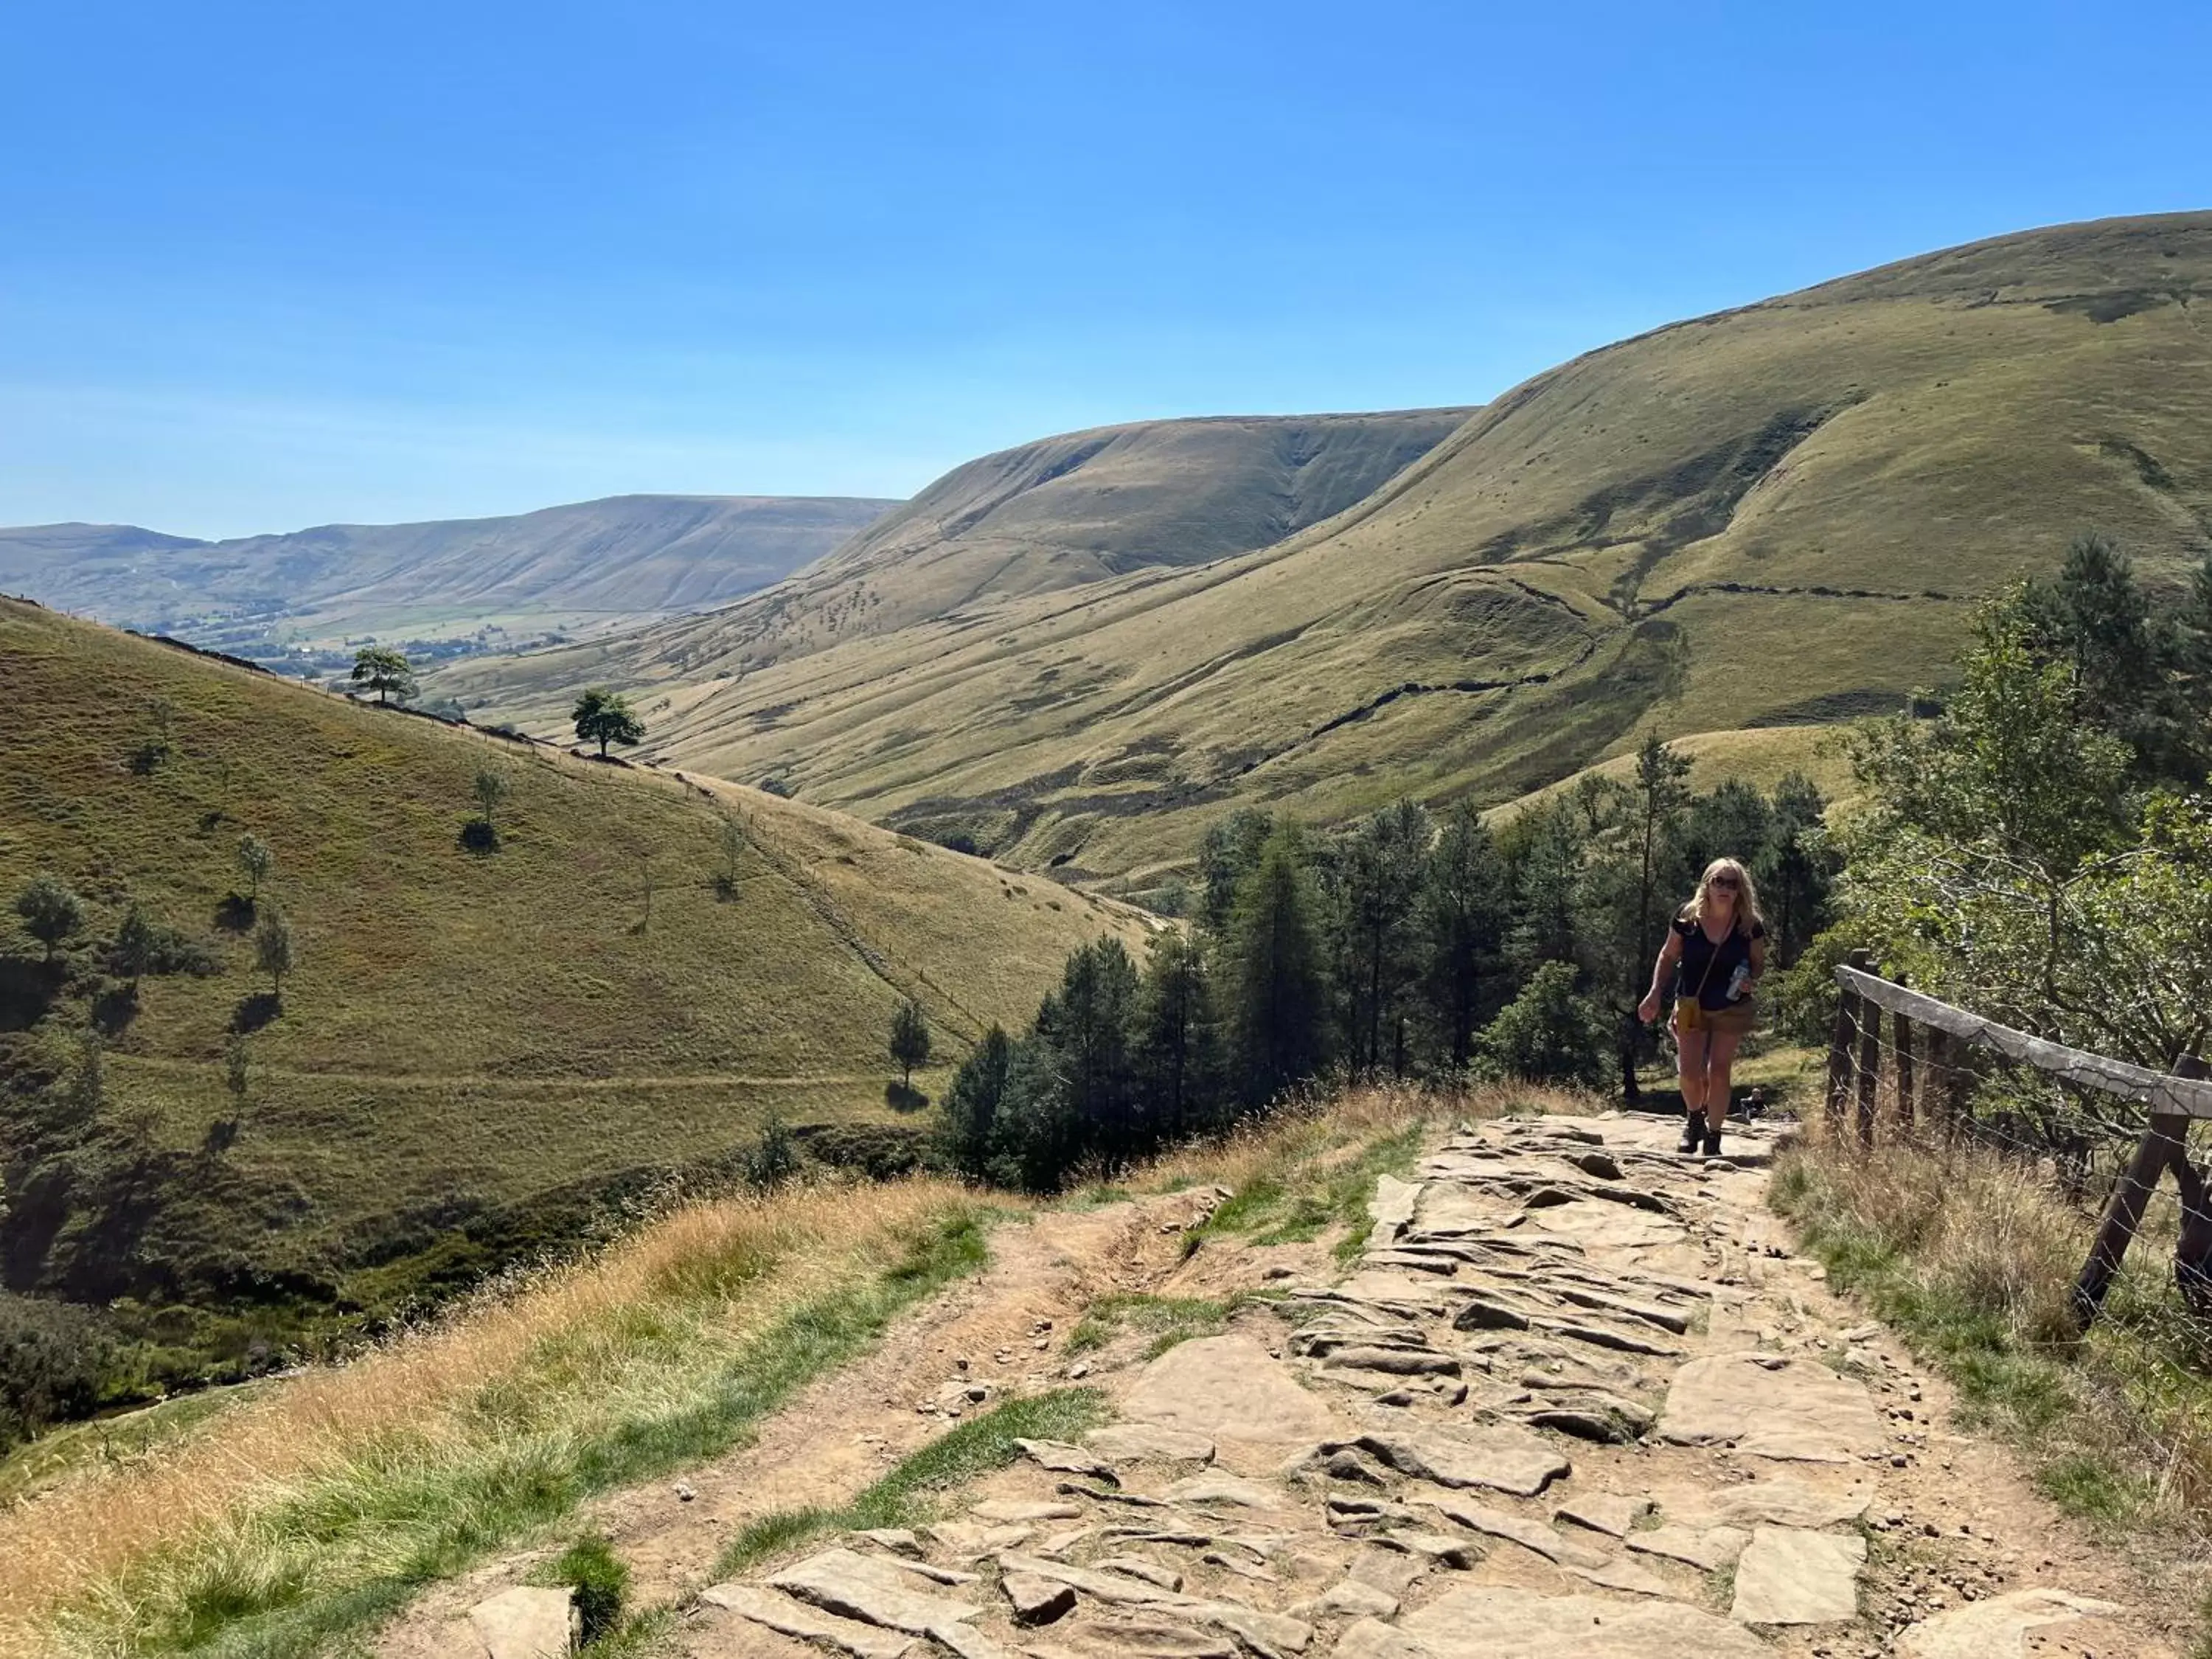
(1278, 1005)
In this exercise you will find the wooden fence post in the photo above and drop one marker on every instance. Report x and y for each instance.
(1839, 1047)
(2164, 1142)
(1869, 1065)
(1901, 1030)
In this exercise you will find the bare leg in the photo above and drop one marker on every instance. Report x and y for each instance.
(1692, 1065)
(1719, 1057)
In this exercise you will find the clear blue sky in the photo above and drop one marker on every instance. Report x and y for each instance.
(273, 264)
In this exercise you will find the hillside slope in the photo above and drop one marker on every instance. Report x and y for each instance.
(1061, 513)
(1777, 515)
(587, 565)
(474, 1049)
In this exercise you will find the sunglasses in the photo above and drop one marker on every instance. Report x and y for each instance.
(1729, 883)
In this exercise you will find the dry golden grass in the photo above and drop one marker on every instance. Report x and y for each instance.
(584, 1342)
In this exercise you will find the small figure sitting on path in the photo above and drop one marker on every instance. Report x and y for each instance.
(1716, 950)
(1754, 1104)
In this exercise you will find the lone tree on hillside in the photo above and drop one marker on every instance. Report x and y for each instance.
(273, 950)
(491, 788)
(604, 716)
(385, 671)
(909, 1041)
(256, 860)
(51, 910)
(138, 941)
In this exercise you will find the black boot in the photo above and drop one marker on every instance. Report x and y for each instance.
(1712, 1143)
(1692, 1128)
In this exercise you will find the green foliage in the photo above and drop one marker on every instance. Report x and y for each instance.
(605, 716)
(1549, 1033)
(491, 786)
(143, 945)
(272, 948)
(910, 1041)
(599, 1581)
(774, 1158)
(385, 671)
(54, 1362)
(1277, 1002)
(1463, 918)
(257, 862)
(51, 912)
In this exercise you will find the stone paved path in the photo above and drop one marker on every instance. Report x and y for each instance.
(1576, 1399)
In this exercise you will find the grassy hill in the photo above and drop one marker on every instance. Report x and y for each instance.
(1058, 514)
(588, 566)
(478, 1051)
(1773, 517)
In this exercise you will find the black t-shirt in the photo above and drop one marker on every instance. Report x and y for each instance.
(1700, 954)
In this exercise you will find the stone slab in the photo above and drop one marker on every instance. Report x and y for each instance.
(1706, 1548)
(788, 1618)
(1771, 1406)
(1789, 1575)
(1504, 1459)
(1153, 1443)
(525, 1623)
(1997, 1628)
(1614, 1513)
(1491, 1621)
(873, 1591)
(1229, 1388)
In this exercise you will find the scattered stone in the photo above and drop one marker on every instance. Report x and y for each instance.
(1359, 1600)
(1505, 1459)
(684, 1494)
(525, 1623)
(1530, 1534)
(1784, 1503)
(1392, 1572)
(1151, 1442)
(789, 1618)
(1068, 1460)
(1229, 1388)
(1225, 1489)
(1346, 1464)
(1136, 1566)
(1706, 1548)
(1602, 1336)
(968, 1541)
(1601, 1164)
(1231, 1564)
(1651, 1313)
(1788, 1576)
(1625, 1575)
(1396, 1362)
(1482, 1314)
(1490, 1621)
(873, 1591)
(1610, 1513)
(898, 1540)
(1606, 1419)
(1432, 1546)
(1771, 1407)
(1392, 1206)
(1010, 1509)
(1269, 1632)
(1996, 1628)
(1144, 1639)
(1036, 1601)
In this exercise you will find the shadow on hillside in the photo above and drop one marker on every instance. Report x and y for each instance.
(255, 1011)
(235, 914)
(114, 1010)
(903, 1097)
(479, 837)
(28, 989)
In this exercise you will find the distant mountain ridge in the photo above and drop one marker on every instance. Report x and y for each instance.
(622, 559)
(1057, 514)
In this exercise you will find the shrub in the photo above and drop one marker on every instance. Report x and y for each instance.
(1549, 1034)
(600, 1581)
(54, 1358)
(51, 910)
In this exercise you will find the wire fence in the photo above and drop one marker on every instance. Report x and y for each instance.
(1903, 1066)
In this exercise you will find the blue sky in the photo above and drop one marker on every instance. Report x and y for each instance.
(274, 264)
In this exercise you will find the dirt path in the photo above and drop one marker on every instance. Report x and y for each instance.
(1578, 1399)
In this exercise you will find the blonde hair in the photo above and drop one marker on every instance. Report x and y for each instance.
(1746, 896)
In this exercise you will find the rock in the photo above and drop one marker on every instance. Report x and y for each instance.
(1229, 1388)
(897, 1539)
(1530, 1534)
(1996, 1628)
(1706, 1548)
(1137, 1566)
(1432, 1545)
(1605, 1419)
(1392, 1572)
(1148, 1638)
(1236, 1565)
(1488, 1621)
(1344, 1464)
(1651, 1313)
(1068, 1460)
(789, 1618)
(1788, 1576)
(1784, 1503)
(1036, 1601)
(1504, 1459)
(1397, 1362)
(1600, 1165)
(1627, 1576)
(1610, 1513)
(527, 1622)
(1360, 1601)
(1602, 1336)
(1392, 1206)
(1225, 1489)
(967, 1539)
(1481, 1314)
(1151, 1442)
(1771, 1407)
(873, 1591)
(1268, 1632)
(1012, 1508)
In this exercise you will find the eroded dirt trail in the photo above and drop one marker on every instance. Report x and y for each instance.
(1576, 1399)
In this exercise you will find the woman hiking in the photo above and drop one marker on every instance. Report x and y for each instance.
(1716, 950)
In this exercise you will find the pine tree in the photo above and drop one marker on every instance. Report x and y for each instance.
(1177, 1043)
(1462, 922)
(1378, 890)
(1278, 1004)
(967, 1122)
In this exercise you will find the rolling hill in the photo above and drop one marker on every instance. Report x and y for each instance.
(1775, 517)
(593, 565)
(477, 1051)
(1057, 514)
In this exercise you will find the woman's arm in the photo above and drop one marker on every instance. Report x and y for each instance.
(1670, 953)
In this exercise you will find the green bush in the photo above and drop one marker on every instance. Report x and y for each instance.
(54, 1358)
(600, 1581)
(1549, 1034)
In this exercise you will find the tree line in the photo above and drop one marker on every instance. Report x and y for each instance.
(1409, 945)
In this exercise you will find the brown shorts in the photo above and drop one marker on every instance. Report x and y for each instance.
(1734, 1018)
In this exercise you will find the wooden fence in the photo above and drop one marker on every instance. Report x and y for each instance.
(1931, 1049)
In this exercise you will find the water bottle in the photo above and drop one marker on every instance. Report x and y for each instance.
(1736, 979)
